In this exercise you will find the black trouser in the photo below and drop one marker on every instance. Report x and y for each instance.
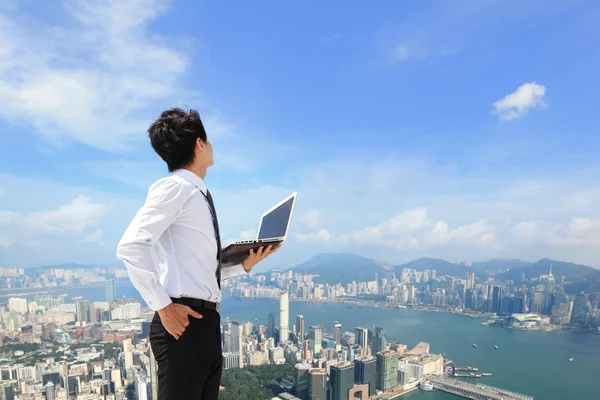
(189, 368)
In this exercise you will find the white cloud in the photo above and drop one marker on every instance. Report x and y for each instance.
(576, 232)
(399, 229)
(322, 235)
(94, 237)
(527, 97)
(311, 218)
(414, 229)
(479, 233)
(401, 53)
(91, 76)
(249, 234)
(75, 219)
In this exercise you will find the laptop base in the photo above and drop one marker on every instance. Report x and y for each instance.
(237, 252)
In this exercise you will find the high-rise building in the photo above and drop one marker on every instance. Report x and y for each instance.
(8, 392)
(271, 329)
(497, 299)
(302, 380)
(110, 290)
(550, 291)
(153, 375)
(83, 310)
(337, 332)
(536, 303)
(237, 335)
(562, 309)
(581, 308)
(300, 327)
(379, 343)
(314, 340)
(387, 370)
(284, 317)
(362, 337)
(341, 377)
(317, 388)
(365, 372)
(50, 391)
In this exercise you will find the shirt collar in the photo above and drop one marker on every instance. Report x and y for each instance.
(192, 178)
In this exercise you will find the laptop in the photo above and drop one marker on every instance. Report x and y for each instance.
(273, 229)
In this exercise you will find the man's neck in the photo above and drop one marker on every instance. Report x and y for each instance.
(201, 172)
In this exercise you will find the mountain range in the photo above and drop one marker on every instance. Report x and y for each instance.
(344, 268)
(348, 267)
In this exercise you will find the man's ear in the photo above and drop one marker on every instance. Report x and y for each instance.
(200, 144)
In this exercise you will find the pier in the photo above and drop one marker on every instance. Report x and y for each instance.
(475, 391)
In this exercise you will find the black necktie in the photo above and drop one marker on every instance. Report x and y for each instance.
(213, 212)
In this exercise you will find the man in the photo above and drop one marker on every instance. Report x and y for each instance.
(172, 251)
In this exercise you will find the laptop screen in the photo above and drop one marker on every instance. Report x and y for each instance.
(275, 223)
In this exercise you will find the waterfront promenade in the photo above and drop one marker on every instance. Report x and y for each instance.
(475, 391)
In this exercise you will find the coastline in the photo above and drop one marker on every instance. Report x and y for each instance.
(359, 303)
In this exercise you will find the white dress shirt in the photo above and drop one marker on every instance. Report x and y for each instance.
(170, 247)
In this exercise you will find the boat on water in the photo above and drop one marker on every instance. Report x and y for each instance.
(496, 347)
(426, 386)
(474, 345)
(486, 374)
(571, 359)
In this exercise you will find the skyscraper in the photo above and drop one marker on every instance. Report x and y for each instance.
(271, 329)
(497, 299)
(7, 392)
(341, 378)
(284, 317)
(237, 334)
(302, 380)
(153, 375)
(110, 290)
(317, 389)
(550, 291)
(50, 391)
(365, 372)
(387, 370)
(379, 343)
(362, 337)
(315, 340)
(300, 327)
(337, 332)
(83, 310)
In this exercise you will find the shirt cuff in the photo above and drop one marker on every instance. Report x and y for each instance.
(158, 300)
(232, 271)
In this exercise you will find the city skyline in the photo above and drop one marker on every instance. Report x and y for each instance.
(455, 148)
(352, 359)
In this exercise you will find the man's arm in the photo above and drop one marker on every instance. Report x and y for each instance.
(163, 204)
(249, 263)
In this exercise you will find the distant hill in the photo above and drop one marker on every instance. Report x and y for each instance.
(67, 266)
(347, 267)
(491, 266)
(559, 268)
(442, 267)
(342, 267)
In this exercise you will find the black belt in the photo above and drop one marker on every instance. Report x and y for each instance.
(190, 302)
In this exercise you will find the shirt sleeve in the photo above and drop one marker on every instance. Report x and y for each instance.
(163, 204)
(232, 271)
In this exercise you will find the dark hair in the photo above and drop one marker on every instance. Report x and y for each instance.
(173, 136)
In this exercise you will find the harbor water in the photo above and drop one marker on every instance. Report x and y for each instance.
(533, 363)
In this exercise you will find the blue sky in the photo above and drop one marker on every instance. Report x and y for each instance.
(463, 130)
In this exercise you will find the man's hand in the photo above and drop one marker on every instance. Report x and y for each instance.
(175, 318)
(256, 257)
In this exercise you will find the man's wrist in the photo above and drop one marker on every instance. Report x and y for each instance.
(164, 309)
(247, 266)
